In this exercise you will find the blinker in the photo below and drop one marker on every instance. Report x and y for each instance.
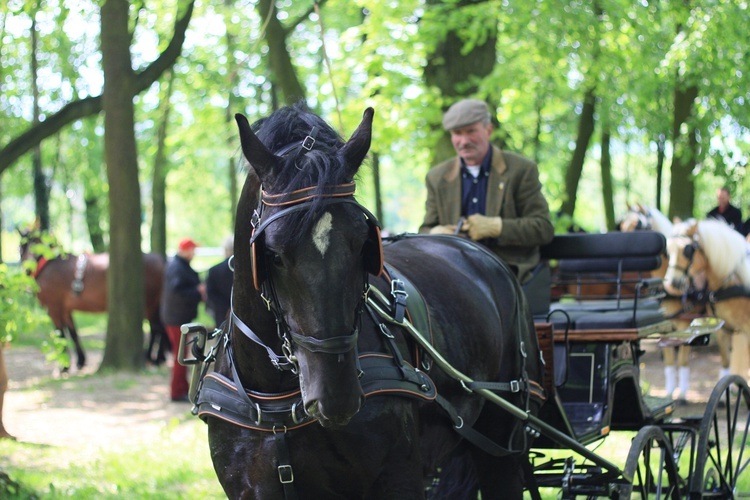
(689, 251)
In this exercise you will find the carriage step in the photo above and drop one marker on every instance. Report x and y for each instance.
(658, 406)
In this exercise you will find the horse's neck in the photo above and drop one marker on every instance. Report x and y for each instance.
(716, 281)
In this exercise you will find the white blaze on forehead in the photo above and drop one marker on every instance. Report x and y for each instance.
(322, 233)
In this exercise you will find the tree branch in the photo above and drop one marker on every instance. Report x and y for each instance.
(303, 17)
(89, 106)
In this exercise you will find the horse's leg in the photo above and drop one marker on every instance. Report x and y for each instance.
(158, 337)
(80, 354)
(724, 341)
(165, 345)
(683, 358)
(738, 361)
(670, 373)
(3, 387)
(500, 477)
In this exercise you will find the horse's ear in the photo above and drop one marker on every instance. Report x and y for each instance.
(356, 148)
(692, 228)
(256, 153)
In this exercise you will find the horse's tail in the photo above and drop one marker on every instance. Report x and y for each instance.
(456, 479)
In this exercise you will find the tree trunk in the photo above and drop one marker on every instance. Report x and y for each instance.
(124, 344)
(378, 194)
(684, 156)
(159, 179)
(283, 73)
(93, 218)
(606, 173)
(454, 72)
(575, 168)
(234, 104)
(41, 189)
(660, 156)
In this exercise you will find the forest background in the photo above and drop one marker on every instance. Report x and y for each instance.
(117, 131)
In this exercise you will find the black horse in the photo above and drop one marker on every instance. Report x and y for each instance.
(315, 393)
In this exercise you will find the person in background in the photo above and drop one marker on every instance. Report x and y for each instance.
(492, 196)
(725, 211)
(182, 293)
(219, 285)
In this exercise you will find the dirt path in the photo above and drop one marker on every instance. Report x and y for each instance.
(85, 410)
(109, 410)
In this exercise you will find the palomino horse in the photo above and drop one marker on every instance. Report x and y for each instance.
(712, 249)
(318, 393)
(70, 283)
(681, 309)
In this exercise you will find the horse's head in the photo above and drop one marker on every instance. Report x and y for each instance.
(312, 246)
(637, 218)
(685, 261)
(35, 245)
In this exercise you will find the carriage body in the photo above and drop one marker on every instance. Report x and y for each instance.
(594, 343)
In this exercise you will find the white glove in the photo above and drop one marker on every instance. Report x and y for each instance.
(481, 227)
(443, 230)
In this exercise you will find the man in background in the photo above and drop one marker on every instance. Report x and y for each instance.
(725, 211)
(182, 293)
(219, 285)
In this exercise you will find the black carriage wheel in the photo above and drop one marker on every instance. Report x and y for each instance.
(722, 465)
(651, 466)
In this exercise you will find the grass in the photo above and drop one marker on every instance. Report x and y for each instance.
(175, 466)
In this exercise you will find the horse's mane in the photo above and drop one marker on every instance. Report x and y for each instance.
(660, 222)
(320, 167)
(725, 250)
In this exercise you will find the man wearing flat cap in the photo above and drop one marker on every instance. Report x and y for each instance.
(495, 195)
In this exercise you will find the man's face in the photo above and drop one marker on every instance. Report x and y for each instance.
(472, 142)
(723, 197)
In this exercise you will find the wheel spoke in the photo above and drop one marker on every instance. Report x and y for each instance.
(722, 466)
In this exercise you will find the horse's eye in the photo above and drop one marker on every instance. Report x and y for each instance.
(276, 259)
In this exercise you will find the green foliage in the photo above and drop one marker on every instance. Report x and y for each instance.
(548, 54)
(17, 302)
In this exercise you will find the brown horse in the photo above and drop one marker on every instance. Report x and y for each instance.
(70, 283)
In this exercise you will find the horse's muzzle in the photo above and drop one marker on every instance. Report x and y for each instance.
(337, 419)
(676, 286)
(330, 386)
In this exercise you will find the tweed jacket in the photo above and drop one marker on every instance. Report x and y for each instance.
(514, 193)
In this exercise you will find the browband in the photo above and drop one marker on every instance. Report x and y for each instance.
(300, 195)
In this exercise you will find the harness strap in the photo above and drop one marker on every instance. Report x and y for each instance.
(286, 473)
(399, 298)
(729, 292)
(40, 263)
(221, 397)
(305, 194)
(472, 435)
(512, 386)
(77, 285)
(280, 362)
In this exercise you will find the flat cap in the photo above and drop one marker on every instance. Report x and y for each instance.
(465, 112)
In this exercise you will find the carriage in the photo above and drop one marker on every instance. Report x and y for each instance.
(325, 383)
(595, 371)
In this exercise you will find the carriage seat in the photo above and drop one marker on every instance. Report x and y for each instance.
(621, 264)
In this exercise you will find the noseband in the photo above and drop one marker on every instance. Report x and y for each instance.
(293, 202)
